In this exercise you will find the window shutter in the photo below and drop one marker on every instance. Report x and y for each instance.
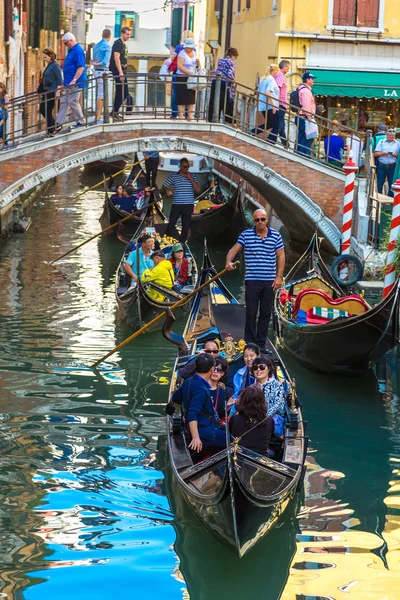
(217, 5)
(117, 28)
(344, 12)
(367, 13)
(8, 21)
(248, 4)
(176, 32)
(191, 18)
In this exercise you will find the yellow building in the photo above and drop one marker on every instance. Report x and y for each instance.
(352, 47)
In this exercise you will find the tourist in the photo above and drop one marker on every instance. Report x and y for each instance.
(101, 63)
(173, 66)
(264, 373)
(306, 113)
(161, 274)
(250, 423)
(143, 198)
(280, 80)
(227, 69)
(118, 67)
(127, 203)
(244, 376)
(119, 193)
(212, 348)
(187, 63)
(142, 255)
(74, 70)
(386, 153)
(263, 249)
(379, 135)
(354, 145)
(218, 392)
(51, 80)
(180, 265)
(151, 162)
(201, 419)
(4, 100)
(268, 102)
(181, 186)
(334, 146)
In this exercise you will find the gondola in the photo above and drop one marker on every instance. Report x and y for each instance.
(325, 329)
(237, 494)
(214, 221)
(137, 305)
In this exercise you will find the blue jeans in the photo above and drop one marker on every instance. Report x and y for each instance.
(282, 131)
(383, 171)
(303, 145)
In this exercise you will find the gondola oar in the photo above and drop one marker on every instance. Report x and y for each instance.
(139, 210)
(105, 179)
(160, 316)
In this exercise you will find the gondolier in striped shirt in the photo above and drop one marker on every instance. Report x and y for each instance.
(264, 256)
(183, 185)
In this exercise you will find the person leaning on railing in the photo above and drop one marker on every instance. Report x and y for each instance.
(74, 70)
(227, 69)
(306, 113)
(4, 100)
(187, 63)
(51, 80)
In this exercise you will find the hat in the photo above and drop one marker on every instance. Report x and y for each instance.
(176, 248)
(68, 37)
(189, 43)
(308, 75)
(382, 127)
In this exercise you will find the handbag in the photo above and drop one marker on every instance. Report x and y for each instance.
(311, 129)
(197, 83)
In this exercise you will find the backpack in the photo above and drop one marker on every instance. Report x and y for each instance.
(294, 99)
(173, 67)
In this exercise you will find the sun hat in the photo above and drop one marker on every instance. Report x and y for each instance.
(176, 248)
(68, 37)
(189, 43)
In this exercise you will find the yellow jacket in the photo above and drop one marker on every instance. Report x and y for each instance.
(161, 274)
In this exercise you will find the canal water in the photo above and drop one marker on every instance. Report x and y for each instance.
(87, 507)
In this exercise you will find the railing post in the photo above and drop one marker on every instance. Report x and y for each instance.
(390, 270)
(217, 99)
(106, 109)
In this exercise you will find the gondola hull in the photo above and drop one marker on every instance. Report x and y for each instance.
(344, 345)
(112, 215)
(216, 224)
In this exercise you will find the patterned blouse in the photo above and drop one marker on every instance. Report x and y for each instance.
(274, 397)
(227, 68)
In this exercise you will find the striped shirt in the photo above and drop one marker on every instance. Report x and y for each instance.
(260, 254)
(183, 188)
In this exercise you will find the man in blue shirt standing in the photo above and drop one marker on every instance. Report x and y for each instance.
(101, 62)
(263, 249)
(74, 70)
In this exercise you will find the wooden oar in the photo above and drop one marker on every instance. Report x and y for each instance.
(139, 210)
(105, 179)
(160, 316)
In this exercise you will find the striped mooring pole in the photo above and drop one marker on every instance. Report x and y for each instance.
(350, 168)
(390, 270)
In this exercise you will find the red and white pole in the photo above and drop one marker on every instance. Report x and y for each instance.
(350, 168)
(390, 270)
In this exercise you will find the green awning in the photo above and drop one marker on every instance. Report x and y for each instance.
(356, 84)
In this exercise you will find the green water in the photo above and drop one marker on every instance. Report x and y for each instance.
(87, 506)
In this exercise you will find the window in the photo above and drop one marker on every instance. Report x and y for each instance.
(51, 15)
(191, 18)
(176, 30)
(124, 19)
(356, 13)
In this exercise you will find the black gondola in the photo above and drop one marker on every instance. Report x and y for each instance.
(215, 222)
(326, 330)
(237, 494)
(140, 304)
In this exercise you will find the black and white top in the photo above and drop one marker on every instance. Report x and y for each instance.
(260, 253)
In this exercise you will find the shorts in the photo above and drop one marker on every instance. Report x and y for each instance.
(100, 84)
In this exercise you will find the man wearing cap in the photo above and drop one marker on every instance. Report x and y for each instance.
(386, 153)
(74, 70)
(100, 62)
(306, 113)
(380, 135)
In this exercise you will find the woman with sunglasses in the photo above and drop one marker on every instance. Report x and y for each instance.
(251, 423)
(264, 373)
(218, 391)
(211, 347)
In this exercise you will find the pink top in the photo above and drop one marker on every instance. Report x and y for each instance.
(282, 85)
(307, 100)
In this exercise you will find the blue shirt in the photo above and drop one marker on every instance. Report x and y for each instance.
(195, 396)
(102, 54)
(385, 146)
(74, 59)
(145, 262)
(334, 146)
(183, 188)
(260, 253)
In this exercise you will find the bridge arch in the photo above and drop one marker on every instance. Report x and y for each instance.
(301, 214)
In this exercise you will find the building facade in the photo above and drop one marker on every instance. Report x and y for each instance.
(352, 47)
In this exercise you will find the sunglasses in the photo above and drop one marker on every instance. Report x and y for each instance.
(258, 219)
(218, 370)
(185, 166)
(211, 351)
(259, 368)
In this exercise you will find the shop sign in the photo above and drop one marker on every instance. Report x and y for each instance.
(390, 94)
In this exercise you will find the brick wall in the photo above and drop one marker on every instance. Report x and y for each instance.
(323, 189)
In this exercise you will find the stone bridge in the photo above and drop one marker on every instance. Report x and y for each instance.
(304, 194)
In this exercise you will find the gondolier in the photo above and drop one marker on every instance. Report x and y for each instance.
(264, 256)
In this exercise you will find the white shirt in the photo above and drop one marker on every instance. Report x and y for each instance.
(188, 63)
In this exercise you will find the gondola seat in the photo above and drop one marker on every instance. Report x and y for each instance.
(312, 299)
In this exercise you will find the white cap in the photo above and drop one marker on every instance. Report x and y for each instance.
(68, 37)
